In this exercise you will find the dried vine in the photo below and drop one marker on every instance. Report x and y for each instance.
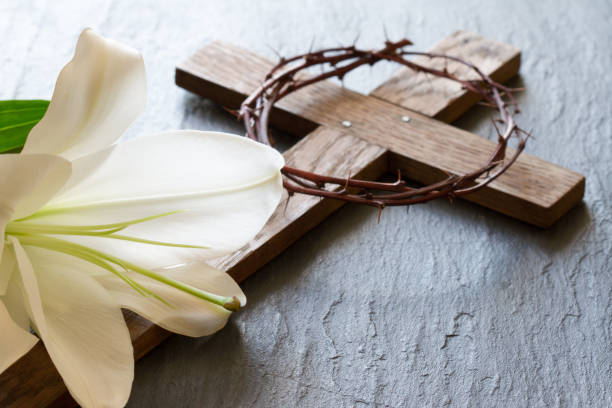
(286, 77)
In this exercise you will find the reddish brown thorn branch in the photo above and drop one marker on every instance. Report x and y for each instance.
(287, 76)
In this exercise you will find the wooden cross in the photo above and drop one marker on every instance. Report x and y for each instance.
(400, 125)
(390, 129)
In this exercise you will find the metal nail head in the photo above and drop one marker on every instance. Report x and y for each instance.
(406, 119)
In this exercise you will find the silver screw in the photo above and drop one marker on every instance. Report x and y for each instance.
(347, 123)
(406, 119)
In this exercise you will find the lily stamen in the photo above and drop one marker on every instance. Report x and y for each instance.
(23, 222)
(38, 235)
(105, 230)
(70, 248)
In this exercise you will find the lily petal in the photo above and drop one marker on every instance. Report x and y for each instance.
(224, 188)
(184, 314)
(27, 182)
(82, 327)
(7, 265)
(13, 297)
(97, 96)
(14, 342)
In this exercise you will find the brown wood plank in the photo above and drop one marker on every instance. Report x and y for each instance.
(33, 380)
(441, 98)
(534, 191)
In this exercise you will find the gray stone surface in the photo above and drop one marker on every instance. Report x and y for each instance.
(439, 304)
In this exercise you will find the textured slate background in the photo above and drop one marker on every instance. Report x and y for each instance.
(438, 305)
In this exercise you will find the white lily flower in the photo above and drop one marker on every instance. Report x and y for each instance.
(88, 226)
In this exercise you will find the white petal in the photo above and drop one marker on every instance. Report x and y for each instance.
(188, 315)
(27, 182)
(97, 96)
(13, 298)
(81, 326)
(7, 265)
(225, 187)
(14, 341)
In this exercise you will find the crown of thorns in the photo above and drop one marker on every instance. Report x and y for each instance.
(287, 77)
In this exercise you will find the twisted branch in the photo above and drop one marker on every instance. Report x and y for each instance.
(287, 77)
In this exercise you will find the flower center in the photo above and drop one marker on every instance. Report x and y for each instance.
(44, 236)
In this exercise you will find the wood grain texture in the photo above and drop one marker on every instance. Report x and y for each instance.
(33, 380)
(441, 98)
(533, 190)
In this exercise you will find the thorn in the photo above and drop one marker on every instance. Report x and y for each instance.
(380, 208)
(448, 175)
(233, 112)
(486, 104)
(386, 34)
(289, 196)
(312, 42)
(275, 52)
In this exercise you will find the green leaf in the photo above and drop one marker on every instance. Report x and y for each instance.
(17, 118)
